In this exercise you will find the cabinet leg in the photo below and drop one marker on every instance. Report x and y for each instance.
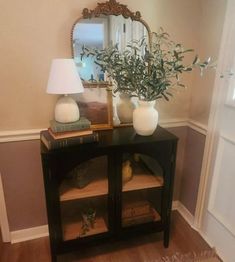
(166, 238)
(53, 258)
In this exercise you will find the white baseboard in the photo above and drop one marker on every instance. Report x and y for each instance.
(29, 234)
(185, 213)
(188, 217)
(208, 241)
(175, 205)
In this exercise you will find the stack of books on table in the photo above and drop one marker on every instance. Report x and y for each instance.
(61, 135)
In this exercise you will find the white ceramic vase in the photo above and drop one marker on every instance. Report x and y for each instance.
(125, 109)
(145, 118)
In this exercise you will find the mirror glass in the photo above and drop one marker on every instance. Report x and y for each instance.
(100, 32)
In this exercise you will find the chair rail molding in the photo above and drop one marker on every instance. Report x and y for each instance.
(34, 134)
(20, 135)
(197, 126)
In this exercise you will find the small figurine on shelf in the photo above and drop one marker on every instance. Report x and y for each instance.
(88, 220)
(126, 171)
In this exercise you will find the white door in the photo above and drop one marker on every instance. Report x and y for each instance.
(218, 223)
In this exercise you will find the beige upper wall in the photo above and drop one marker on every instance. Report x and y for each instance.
(210, 28)
(34, 32)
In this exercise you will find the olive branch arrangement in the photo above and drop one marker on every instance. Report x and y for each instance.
(146, 71)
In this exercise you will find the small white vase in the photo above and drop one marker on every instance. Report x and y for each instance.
(145, 118)
(125, 109)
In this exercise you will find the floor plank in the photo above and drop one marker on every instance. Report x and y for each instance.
(145, 248)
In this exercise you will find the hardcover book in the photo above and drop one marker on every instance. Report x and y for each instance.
(81, 124)
(52, 143)
(60, 135)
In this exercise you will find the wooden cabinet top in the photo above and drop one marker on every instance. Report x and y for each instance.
(122, 136)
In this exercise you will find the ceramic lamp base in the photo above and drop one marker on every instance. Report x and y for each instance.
(66, 110)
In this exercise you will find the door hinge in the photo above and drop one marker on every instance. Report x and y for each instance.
(124, 28)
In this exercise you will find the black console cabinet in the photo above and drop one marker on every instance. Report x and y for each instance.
(115, 217)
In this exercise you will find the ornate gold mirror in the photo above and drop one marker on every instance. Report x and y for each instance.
(109, 23)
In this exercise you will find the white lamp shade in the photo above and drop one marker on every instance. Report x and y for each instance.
(64, 78)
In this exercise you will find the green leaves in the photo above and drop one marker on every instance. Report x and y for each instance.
(146, 72)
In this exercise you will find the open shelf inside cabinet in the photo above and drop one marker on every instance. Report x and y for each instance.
(142, 181)
(72, 215)
(142, 177)
(139, 207)
(96, 170)
(98, 187)
(72, 228)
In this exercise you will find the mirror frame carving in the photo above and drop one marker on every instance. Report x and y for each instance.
(112, 7)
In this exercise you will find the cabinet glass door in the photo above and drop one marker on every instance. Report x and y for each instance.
(84, 200)
(142, 182)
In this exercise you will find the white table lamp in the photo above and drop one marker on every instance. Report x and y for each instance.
(64, 79)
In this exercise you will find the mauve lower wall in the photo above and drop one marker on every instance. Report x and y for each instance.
(181, 133)
(190, 177)
(20, 167)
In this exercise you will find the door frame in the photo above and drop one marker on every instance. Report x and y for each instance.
(217, 100)
(4, 225)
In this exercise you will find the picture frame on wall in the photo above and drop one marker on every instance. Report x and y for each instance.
(96, 105)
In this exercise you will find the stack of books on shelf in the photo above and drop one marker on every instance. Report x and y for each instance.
(61, 135)
(137, 212)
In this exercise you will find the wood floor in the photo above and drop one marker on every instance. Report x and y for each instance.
(142, 249)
